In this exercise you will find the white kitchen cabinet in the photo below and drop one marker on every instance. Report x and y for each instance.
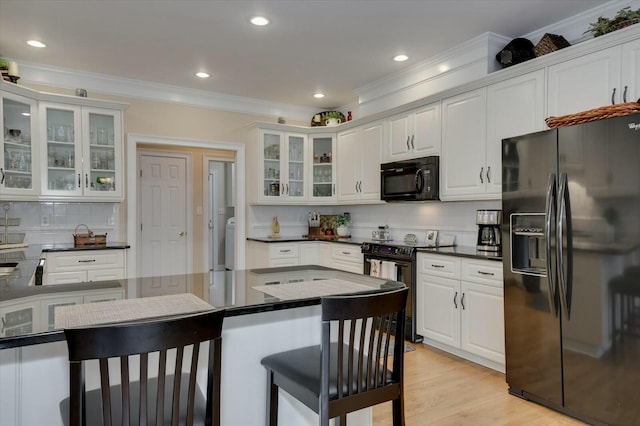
(281, 167)
(19, 149)
(358, 163)
(598, 79)
(415, 134)
(84, 266)
(474, 125)
(49, 304)
(346, 257)
(459, 307)
(322, 160)
(83, 152)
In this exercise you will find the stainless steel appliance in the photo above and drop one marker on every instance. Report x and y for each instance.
(404, 257)
(489, 235)
(571, 242)
(410, 180)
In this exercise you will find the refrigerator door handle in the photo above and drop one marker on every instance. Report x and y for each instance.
(564, 219)
(551, 202)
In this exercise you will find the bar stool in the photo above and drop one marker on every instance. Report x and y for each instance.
(354, 367)
(164, 399)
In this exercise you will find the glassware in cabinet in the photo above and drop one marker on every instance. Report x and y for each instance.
(323, 175)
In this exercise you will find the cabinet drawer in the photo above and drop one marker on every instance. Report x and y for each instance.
(84, 260)
(73, 277)
(482, 272)
(104, 296)
(105, 274)
(347, 253)
(283, 251)
(441, 266)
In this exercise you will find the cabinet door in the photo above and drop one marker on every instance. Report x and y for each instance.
(369, 159)
(482, 321)
(399, 144)
(105, 274)
(584, 83)
(62, 150)
(48, 307)
(514, 107)
(272, 153)
(19, 165)
(427, 135)
(348, 165)
(104, 296)
(631, 70)
(18, 318)
(102, 153)
(463, 172)
(294, 177)
(323, 170)
(73, 277)
(438, 314)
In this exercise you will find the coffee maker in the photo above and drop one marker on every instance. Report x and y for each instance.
(489, 234)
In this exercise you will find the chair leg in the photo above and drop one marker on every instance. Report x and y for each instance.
(398, 412)
(272, 397)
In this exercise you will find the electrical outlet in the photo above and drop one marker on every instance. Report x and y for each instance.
(44, 220)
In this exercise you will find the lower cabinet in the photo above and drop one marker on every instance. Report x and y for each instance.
(460, 307)
(69, 267)
(346, 257)
(18, 318)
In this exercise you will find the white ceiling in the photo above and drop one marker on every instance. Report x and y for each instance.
(331, 46)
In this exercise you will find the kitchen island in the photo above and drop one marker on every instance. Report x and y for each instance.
(258, 321)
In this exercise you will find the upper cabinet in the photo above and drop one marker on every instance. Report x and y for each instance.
(605, 77)
(58, 147)
(413, 135)
(358, 152)
(474, 125)
(282, 166)
(19, 166)
(323, 167)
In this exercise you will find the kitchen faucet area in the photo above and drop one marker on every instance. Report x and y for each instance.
(271, 172)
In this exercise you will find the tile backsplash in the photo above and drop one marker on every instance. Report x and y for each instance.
(55, 222)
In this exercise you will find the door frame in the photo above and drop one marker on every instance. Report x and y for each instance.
(133, 140)
(206, 158)
(188, 196)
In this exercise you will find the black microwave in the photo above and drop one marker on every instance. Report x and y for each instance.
(410, 180)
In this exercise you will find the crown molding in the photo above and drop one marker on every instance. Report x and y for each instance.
(139, 89)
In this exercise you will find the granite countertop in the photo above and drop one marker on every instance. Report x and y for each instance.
(28, 258)
(233, 290)
(298, 239)
(464, 251)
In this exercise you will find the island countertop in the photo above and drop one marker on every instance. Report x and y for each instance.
(233, 290)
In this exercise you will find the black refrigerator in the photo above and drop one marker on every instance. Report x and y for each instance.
(571, 255)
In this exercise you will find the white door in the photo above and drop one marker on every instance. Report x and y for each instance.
(438, 305)
(163, 213)
(370, 155)
(427, 133)
(482, 321)
(631, 71)
(347, 163)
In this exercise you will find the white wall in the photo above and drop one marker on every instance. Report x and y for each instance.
(458, 218)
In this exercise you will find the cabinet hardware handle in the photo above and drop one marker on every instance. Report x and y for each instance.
(356, 186)
(481, 170)
(87, 261)
(624, 94)
(285, 251)
(613, 96)
(86, 180)
(182, 233)
(485, 273)
(412, 145)
(359, 186)
(488, 174)
(334, 189)
(462, 302)
(287, 185)
(408, 137)
(437, 266)
(2, 179)
(346, 253)
(79, 181)
(455, 300)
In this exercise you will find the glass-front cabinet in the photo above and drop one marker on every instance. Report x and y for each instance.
(84, 151)
(283, 166)
(323, 175)
(19, 170)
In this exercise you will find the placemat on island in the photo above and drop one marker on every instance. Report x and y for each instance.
(608, 111)
(307, 289)
(128, 310)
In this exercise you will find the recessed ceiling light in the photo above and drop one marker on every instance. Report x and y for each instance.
(203, 74)
(36, 43)
(259, 21)
(26, 114)
(319, 95)
(400, 58)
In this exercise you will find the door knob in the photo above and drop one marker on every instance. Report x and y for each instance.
(182, 233)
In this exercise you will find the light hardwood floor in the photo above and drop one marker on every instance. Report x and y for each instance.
(441, 389)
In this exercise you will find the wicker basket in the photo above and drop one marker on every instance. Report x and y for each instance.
(88, 239)
(608, 111)
(550, 43)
